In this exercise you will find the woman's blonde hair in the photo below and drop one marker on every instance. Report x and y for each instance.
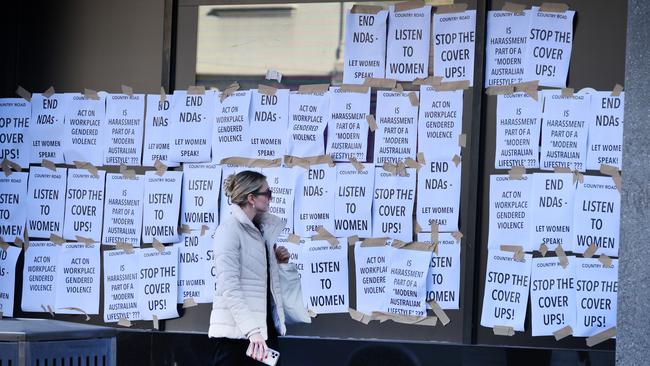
(238, 186)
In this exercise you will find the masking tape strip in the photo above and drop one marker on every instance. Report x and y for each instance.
(272, 74)
(163, 95)
(398, 88)
(56, 239)
(456, 159)
(158, 245)
(554, 7)
(444, 319)
(357, 165)
(88, 166)
(127, 90)
(416, 227)
(413, 98)
(513, 7)
(366, 9)
(605, 260)
(528, 87)
(501, 330)
(49, 92)
(23, 93)
(431, 81)
(160, 168)
(323, 234)
(230, 90)
(380, 83)
(291, 161)
(156, 323)
(567, 93)
(189, 302)
(452, 85)
(265, 89)
(609, 170)
(185, 229)
(313, 88)
(543, 249)
(398, 244)
(3, 244)
(195, 90)
(453, 8)
(372, 124)
(126, 247)
(517, 172)
(601, 337)
(359, 316)
(252, 163)
(511, 248)
(124, 322)
(204, 228)
(48, 164)
(409, 162)
(457, 235)
(500, 90)
(420, 158)
(578, 177)
(616, 92)
(91, 94)
(590, 251)
(354, 88)
(408, 5)
(417, 245)
(561, 169)
(563, 332)
(374, 242)
(559, 251)
(352, 240)
(73, 308)
(462, 140)
(86, 241)
(127, 173)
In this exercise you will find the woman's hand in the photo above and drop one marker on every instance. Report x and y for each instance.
(259, 350)
(281, 253)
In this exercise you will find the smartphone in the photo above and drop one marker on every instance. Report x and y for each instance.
(271, 358)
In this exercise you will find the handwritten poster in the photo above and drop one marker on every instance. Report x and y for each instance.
(157, 132)
(39, 275)
(269, 116)
(47, 128)
(443, 278)
(120, 286)
(231, 126)
(439, 194)
(124, 127)
(392, 206)
(8, 258)
(46, 201)
(192, 119)
(353, 205)
(161, 206)
(158, 283)
(15, 144)
(282, 183)
(324, 279)
(440, 122)
(505, 48)
(552, 295)
(308, 117)
(407, 50)
(201, 186)
(407, 281)
(315, 200)
(596, 292)
(606, 130)
(510, 212)
(551, 209)
(371, 270)
(123, 209)
(77, 279)
(84, 208)
(13, 208)
(397, 122)
(518, 128)
(348, 129)
(365, 47)
(597, 216)
(85, 129)
(453, 45)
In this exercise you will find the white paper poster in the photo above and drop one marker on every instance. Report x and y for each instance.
(315, 200)
(210, 272)
(123, 208)
(15, 136)
(157, 132)
(308, 116)
(371, 264)
(453, 45)
(13, 208)
(518, 128)
(231, 126)
(201, 186)
(365, 47)
(84, 209)
(507, 282)
(548, 50)
(505, 48)
(440, 122)
(124, 126)
(324, 279)
(443, 278)
(39, 275)
(407, 282)
(85, 129)
(552, 296)
(269, 116)
(392, 206)
(8, 258)
(77, 279)
(564, 130)
(282, 183)
(606, 130)
(551, 210)
(397, 123)
(510, 212)
(158, 283)
(47, 129)
(347, 132)
(597, 216)
(193, 257)
(120, 286)
(438, 197)
(596, 292)
(353, 205)
(46, 201)
(162, 201)
(407, 50)
(191, 121)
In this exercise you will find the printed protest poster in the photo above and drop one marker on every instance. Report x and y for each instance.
(123, 209)
(548, 48)
(15, 136)
(46, 201)
(505, 48)
(158, 283)
(192, 257)
(507, 282)
(407, 280)
(121, 286)
(371, 268)
(210, 271)
(347, 134)
(308, 116)
(77, 279)
(510, 212)
(8, 258)
(269, 116)
(324, 278)
(552, 295)
(518, 128)
(453, 45)
(231, 126)
(397, 122)
(47, 129)
(365, 46)
(564, 130)
(407, 50)
(315, 200)
(606, 130)
(13, 208)
(438, 198)
(84, 208)
(353, 202)
(157, 132)
(440, 122)
(392, 206)
(551, 210)
(597, 216)
(161, 206)
(443, 278)
(124, 129)
(282, 183)
(39, 275)
(596, 292)
(191, 121)
(201, 186)
(85, 129)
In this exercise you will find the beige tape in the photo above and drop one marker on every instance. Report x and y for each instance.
(91, 94)
(561, 169)
(578, 177)
(189, 302)
(408, 5)
(374, 242)
(431, 81)
(291, 161)
(354, 88)
(313, 88)
(616, 92)
(567, 93)
(605, 260)
(83, 239)
(618, 182)
(453, 8)
(163, 95)
(195, 90)
(394, 169)
(6, 169)
(554, 7)
(265, 89)
(3, 244)
(156, 323)
(48, 164)
(124, 322)
(543, 249)
(452, 85)
(511, 248)
(56, 239)
(73, 308)
(272, 74)
(311, 313)
(359, 316)
(204, 228)
(23, 93)
(398, 244)
(352, 240)
(462, 140)
(413, 98)
(127, 173)
(409, 162)
(366, 9)
(230, 90)
(563, 332)
(519, 255)
(404, 319)
(421, 246)
(500, 90)
(293, 238)
(601, 337)
(416, 227)
(398, 88)
(528, 87)
(357, 165)
(457, 235)
(126, 247)
(444, 319)
(158, 245)
(185, 229)
(88, 166)
(323, 234)
(609, 170)
(513, 7)
(517, 172)
(501, 330)
(372, 124)
(48, 309)
(49, 92)
(127, 90)
(160, 168)
(251, 163)
(420, 158)
(591, 250)
(456, 159)
(559, 251)
(380, 83)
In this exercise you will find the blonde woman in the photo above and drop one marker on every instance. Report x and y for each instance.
(247, 308)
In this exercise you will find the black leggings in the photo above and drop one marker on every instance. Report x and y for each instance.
(233, 351)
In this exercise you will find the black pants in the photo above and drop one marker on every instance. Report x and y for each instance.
(233, 351)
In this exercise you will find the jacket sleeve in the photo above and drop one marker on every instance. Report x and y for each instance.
(227, 249)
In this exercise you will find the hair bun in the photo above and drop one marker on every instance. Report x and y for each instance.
(229, 185)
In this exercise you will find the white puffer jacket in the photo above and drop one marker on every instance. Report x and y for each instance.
(239, 304)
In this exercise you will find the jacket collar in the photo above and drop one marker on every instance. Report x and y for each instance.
(271, 225)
